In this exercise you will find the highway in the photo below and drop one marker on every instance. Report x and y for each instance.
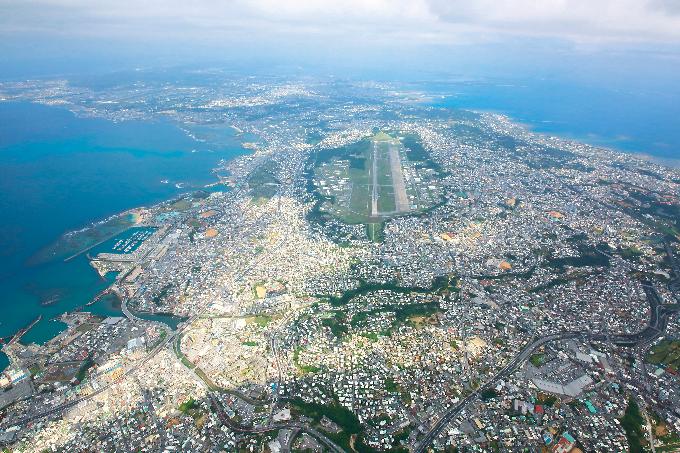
(659, 314)
(271, 427)
(148, 400)
(130, 371)
(506, 371)
(276, 391)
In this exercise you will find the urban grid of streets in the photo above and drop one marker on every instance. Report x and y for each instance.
(521, 294)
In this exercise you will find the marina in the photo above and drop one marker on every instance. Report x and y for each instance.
(126, 162)
(130, 240)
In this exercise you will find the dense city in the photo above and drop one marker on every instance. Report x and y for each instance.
(373, 273)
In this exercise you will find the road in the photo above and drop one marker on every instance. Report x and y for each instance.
(276, 391)
(148, 400)
(289, 444)
(506, 371)
(659, 314)
(126, 311)
(276, 426)
(130, 371)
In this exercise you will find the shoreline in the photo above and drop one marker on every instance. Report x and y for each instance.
(534, 127)
(135, 211)
(208, 180)
(21, 332)
(16, 338)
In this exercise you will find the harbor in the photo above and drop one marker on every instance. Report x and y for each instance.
(126, 163)
(17, 337)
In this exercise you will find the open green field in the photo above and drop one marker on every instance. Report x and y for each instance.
(262, 182)
(381, 136)
(375, 231)
(666, 353)
(632, 423)
(374, 179)
(370, 195)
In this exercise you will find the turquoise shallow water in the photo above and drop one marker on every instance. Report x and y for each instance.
(61, 173)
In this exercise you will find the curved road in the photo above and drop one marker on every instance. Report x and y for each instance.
(172, 337)
(271, 427)
(659, 314)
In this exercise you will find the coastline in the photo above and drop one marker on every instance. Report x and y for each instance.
(90, 305)
(43, 271)
(136, 218)
(631, 128)
(534, 128)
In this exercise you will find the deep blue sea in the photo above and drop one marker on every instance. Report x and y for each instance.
(632, 120)
(60, 173)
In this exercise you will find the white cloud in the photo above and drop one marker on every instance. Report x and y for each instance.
(628, 20)
(430, 20)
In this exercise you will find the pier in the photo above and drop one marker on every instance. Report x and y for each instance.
(111, 289)
(17, 336)
(87, 249)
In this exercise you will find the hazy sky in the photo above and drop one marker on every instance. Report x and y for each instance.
(428, 20)
(527, 30)
(606, 61)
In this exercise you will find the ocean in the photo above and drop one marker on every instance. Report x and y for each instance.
(61, 173)
(629, 120)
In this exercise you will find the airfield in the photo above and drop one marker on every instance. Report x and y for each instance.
(374, 180)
